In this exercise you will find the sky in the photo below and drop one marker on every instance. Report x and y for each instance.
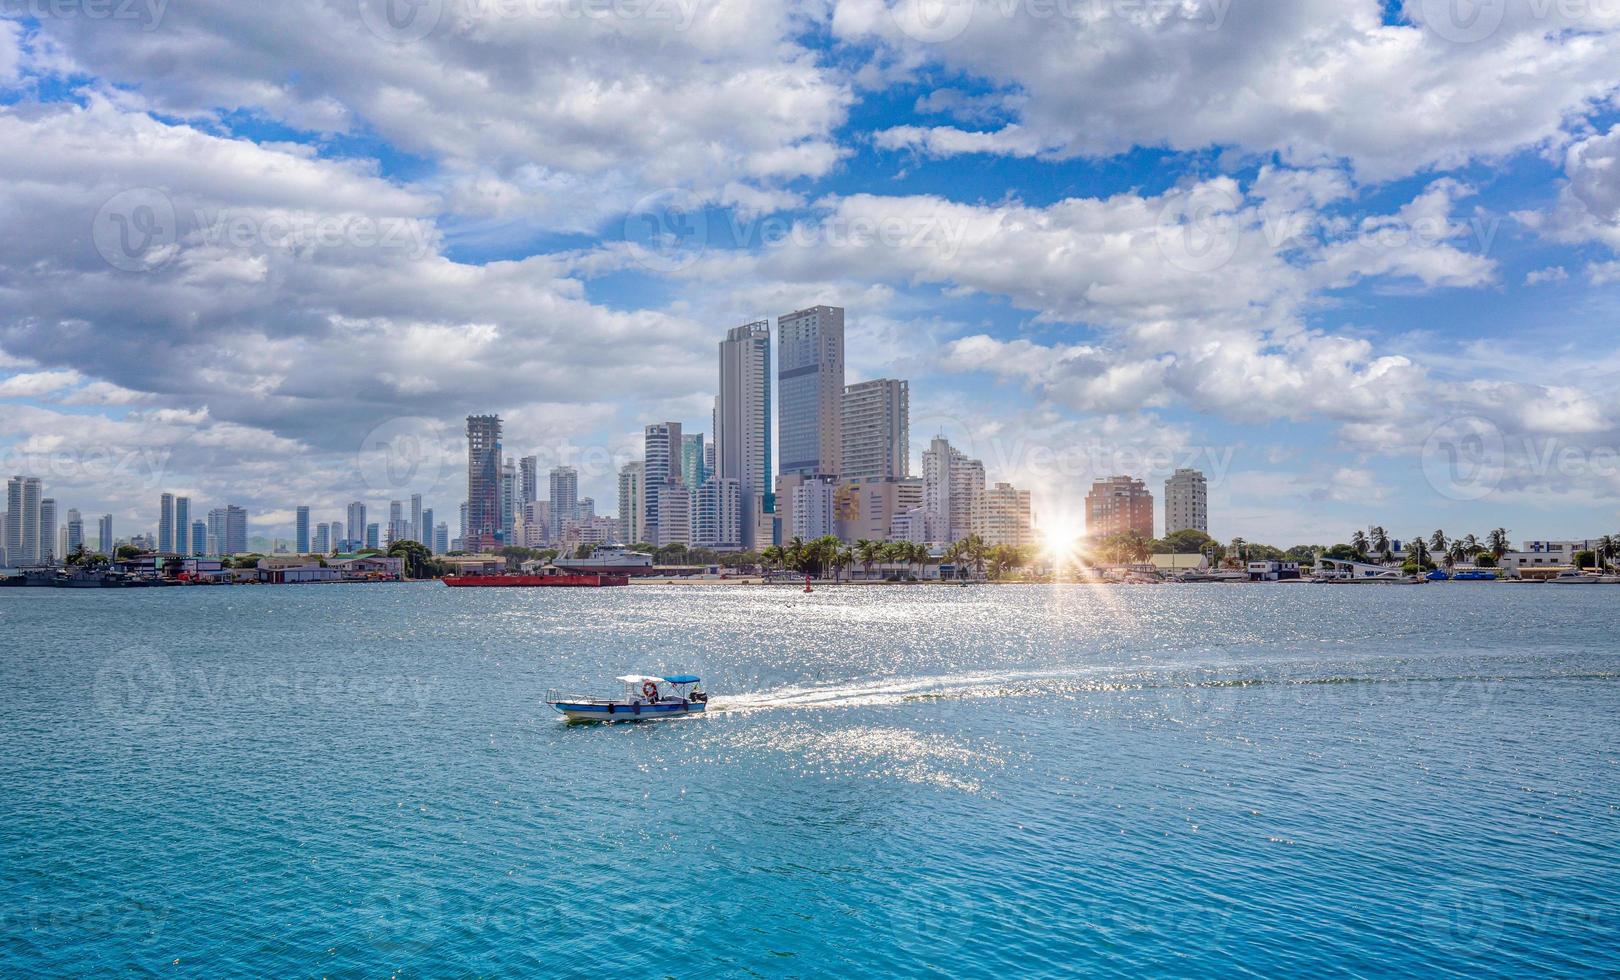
(1359, 261)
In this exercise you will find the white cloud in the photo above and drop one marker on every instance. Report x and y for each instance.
(1537, 277)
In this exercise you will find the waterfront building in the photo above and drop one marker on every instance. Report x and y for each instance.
(104, 535)
(481, 531)
(441, 538)
(22, 520)
(674, 517)
(632, 512)
(166, 523)
(1119, 505)
(48, 538)
(426, 528)
(814, 514)
(373, 537)
(810, 390)
(322, 544)
(951, 482)
(227, 527)
(509, 498)
(694, 466)
(528, 480)
(662, 455)
(564, 497)
(182, 525)
(1002, 516)
(876, 431)
(868, 509)
(742, 426)
(357, 522)
(75, 533)
(910, 526)
(416, 532)
(717, 515)
(1186, 502)
(301, 530)
(199, 538)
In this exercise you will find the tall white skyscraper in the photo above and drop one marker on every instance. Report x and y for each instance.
(166, 523)
(564, 498)
(356, 531)
(632, 507)
(662, 457)
(877, 431)
(23, 495)
(810, 389)
(717, 515)
(1186, 502)
(48, 541)
(951, 482)
(742, 424)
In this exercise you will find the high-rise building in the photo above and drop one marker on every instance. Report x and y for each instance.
(227, 528)
(810, 389)
(166, 523)
(441, 538)
(1186, 502)
(104, 535)
(182, 525)
(48, 539)
(1002, 516)
(301, 531)
(632, 507)
(373, 537)
(815, 514)
(529, 480)
(509, 498)
(426, 527)
(483, 525)
(717, 515)
(75, 533)
(1119, 505)
(23, 495)
(674, 524)
(877, 431)
(356, 530)
(323, 541)
(742, 426)
(694, 460)
(951, 481)
(416, 532)
(867, 509)
(199, 538)
(663, 473)
(564, 498)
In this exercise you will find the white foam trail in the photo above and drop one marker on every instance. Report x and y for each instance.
(891, 691)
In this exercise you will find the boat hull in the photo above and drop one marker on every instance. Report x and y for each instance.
(617, 711)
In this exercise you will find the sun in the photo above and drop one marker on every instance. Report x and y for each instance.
(1061, 540)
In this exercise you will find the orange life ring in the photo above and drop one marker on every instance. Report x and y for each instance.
(649, 689)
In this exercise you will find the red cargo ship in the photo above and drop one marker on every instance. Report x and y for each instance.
(535, 581)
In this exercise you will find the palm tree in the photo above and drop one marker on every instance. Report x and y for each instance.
(867, 551)
(1605, 550)
(1498, 543)
(1358, 543)
(1457, 555)
(1239, 549)
(1417, 551)
(1379, 540)
(975, 551)
(774, 556)
(1438, 541)
(1472, 547)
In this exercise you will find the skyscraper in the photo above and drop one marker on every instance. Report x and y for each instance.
(877, 431)
(356, 531)
(509, 498)
(564, 498)
(47, 530)
(199, 538)
(22, 520)
(810, 389)
(182, 525)
(1186, 502)
(301, 531)
(441, 538)
(483, 531)
(75, 532)
(416, 532)
(742, 424)
(529, 477)
(1002, 516)
(1119, 505)
(951, 481)
(427, 527)
(104, 535)
(373, 537)
(663, 474)
(227, 527)
(632, 507)
(694, 464)
(323, 543)
(717, 515)
(166, 523)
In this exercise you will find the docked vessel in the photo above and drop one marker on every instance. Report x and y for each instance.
(645, 699)
(1573, 578)
(609, 559)
(550, 579)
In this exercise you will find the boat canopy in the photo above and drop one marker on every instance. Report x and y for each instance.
(639, 679)
(682, 679)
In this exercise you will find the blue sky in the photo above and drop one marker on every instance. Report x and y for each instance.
(1356, 259)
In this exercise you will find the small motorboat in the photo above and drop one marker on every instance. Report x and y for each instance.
(1572, 577)
(647, 698)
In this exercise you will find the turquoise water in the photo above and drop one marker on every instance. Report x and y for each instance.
(361, 781)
